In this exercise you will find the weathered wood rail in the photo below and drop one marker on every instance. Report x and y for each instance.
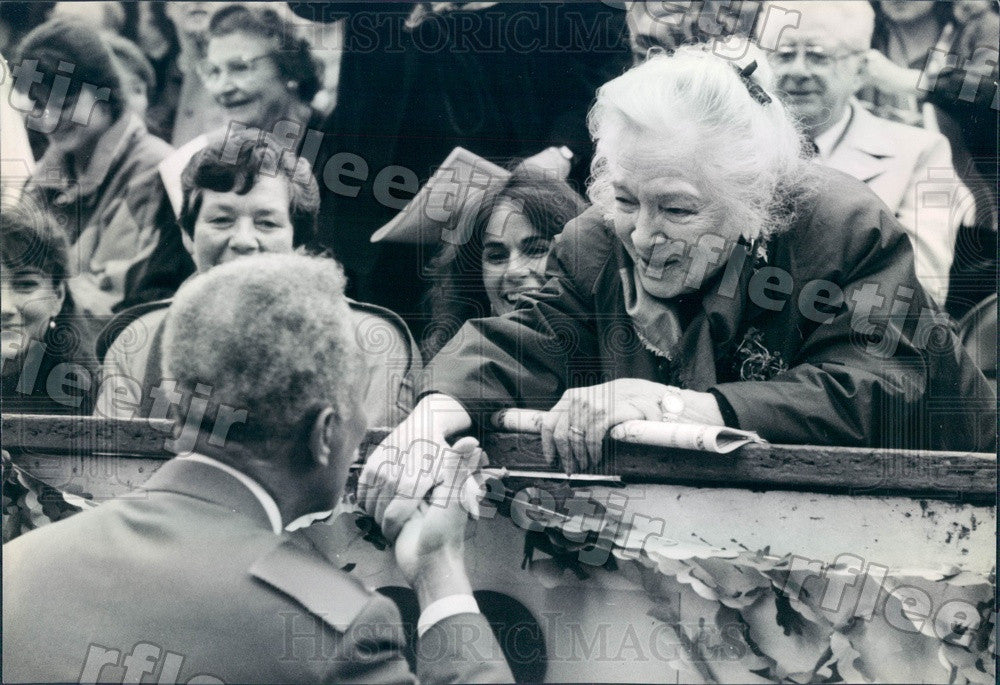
(960, 476)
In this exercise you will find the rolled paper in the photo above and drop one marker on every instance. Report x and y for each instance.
(685, 436)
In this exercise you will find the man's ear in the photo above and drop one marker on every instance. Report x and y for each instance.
(322, 435)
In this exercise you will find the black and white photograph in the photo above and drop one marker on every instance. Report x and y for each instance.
(492, 342)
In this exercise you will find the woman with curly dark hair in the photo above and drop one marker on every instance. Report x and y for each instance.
(262, 76)
(508, 242)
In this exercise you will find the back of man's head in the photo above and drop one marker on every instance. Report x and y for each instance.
(269, 335)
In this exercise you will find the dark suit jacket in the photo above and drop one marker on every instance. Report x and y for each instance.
(777, 368)
(190, 567)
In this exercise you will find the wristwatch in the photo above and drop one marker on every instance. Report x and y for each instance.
(672, 404)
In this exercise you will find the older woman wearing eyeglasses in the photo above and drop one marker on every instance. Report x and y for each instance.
(719, 278)
(256, 69)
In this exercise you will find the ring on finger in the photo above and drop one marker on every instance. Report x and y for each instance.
(577, 431)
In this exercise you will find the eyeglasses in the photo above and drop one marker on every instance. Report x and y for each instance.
(813, 55)
(238, 69)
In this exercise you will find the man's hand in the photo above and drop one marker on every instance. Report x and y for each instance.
(430, 546)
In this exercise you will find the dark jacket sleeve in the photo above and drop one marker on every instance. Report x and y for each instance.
(458, 649)
(877, 379)
(161, 273)
(525, 358)
(972, 80)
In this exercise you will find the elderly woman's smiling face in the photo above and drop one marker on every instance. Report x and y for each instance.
(670, 218)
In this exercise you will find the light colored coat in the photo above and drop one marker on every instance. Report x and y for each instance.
(910, 169)
(108, 212)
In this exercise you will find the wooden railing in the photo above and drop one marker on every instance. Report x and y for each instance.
(967, 477)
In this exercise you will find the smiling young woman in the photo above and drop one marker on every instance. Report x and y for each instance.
(46, 347)
(504, 257)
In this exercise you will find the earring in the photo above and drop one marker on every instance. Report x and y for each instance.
(52, 324)
(291, 84)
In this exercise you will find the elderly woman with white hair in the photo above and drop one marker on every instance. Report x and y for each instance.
(719, 278)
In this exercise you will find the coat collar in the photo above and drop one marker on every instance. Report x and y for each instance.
(711, 335)
(51, 171)
(865, 149)
(202, 481)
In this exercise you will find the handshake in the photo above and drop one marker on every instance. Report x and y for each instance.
(417, 499)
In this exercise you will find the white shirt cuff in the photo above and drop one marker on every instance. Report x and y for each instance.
(443, 608)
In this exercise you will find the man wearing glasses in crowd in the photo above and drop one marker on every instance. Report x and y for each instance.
(819, 65)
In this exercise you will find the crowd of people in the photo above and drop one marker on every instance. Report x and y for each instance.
(761, 215)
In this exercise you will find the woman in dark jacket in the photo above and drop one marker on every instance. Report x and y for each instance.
(262, 76)
(719, 279)
(48, 365)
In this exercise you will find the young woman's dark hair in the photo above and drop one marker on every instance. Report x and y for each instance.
(29, 240)
(293, 57)
(457, 293)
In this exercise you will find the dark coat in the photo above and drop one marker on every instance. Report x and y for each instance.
(192, 568)
(768, 357)
(58, 374)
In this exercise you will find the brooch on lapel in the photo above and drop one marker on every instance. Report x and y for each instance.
(754, 362)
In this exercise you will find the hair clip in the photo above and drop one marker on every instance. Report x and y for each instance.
(756, 92)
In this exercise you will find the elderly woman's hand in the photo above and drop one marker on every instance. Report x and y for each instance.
(573, 430)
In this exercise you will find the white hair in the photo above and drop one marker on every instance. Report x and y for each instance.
(752, 152)
(268, 334)
(853, 23)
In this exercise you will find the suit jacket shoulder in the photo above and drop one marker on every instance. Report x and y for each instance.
(309, 579)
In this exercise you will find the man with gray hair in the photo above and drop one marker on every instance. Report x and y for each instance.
(197, 578)
(819, 63)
